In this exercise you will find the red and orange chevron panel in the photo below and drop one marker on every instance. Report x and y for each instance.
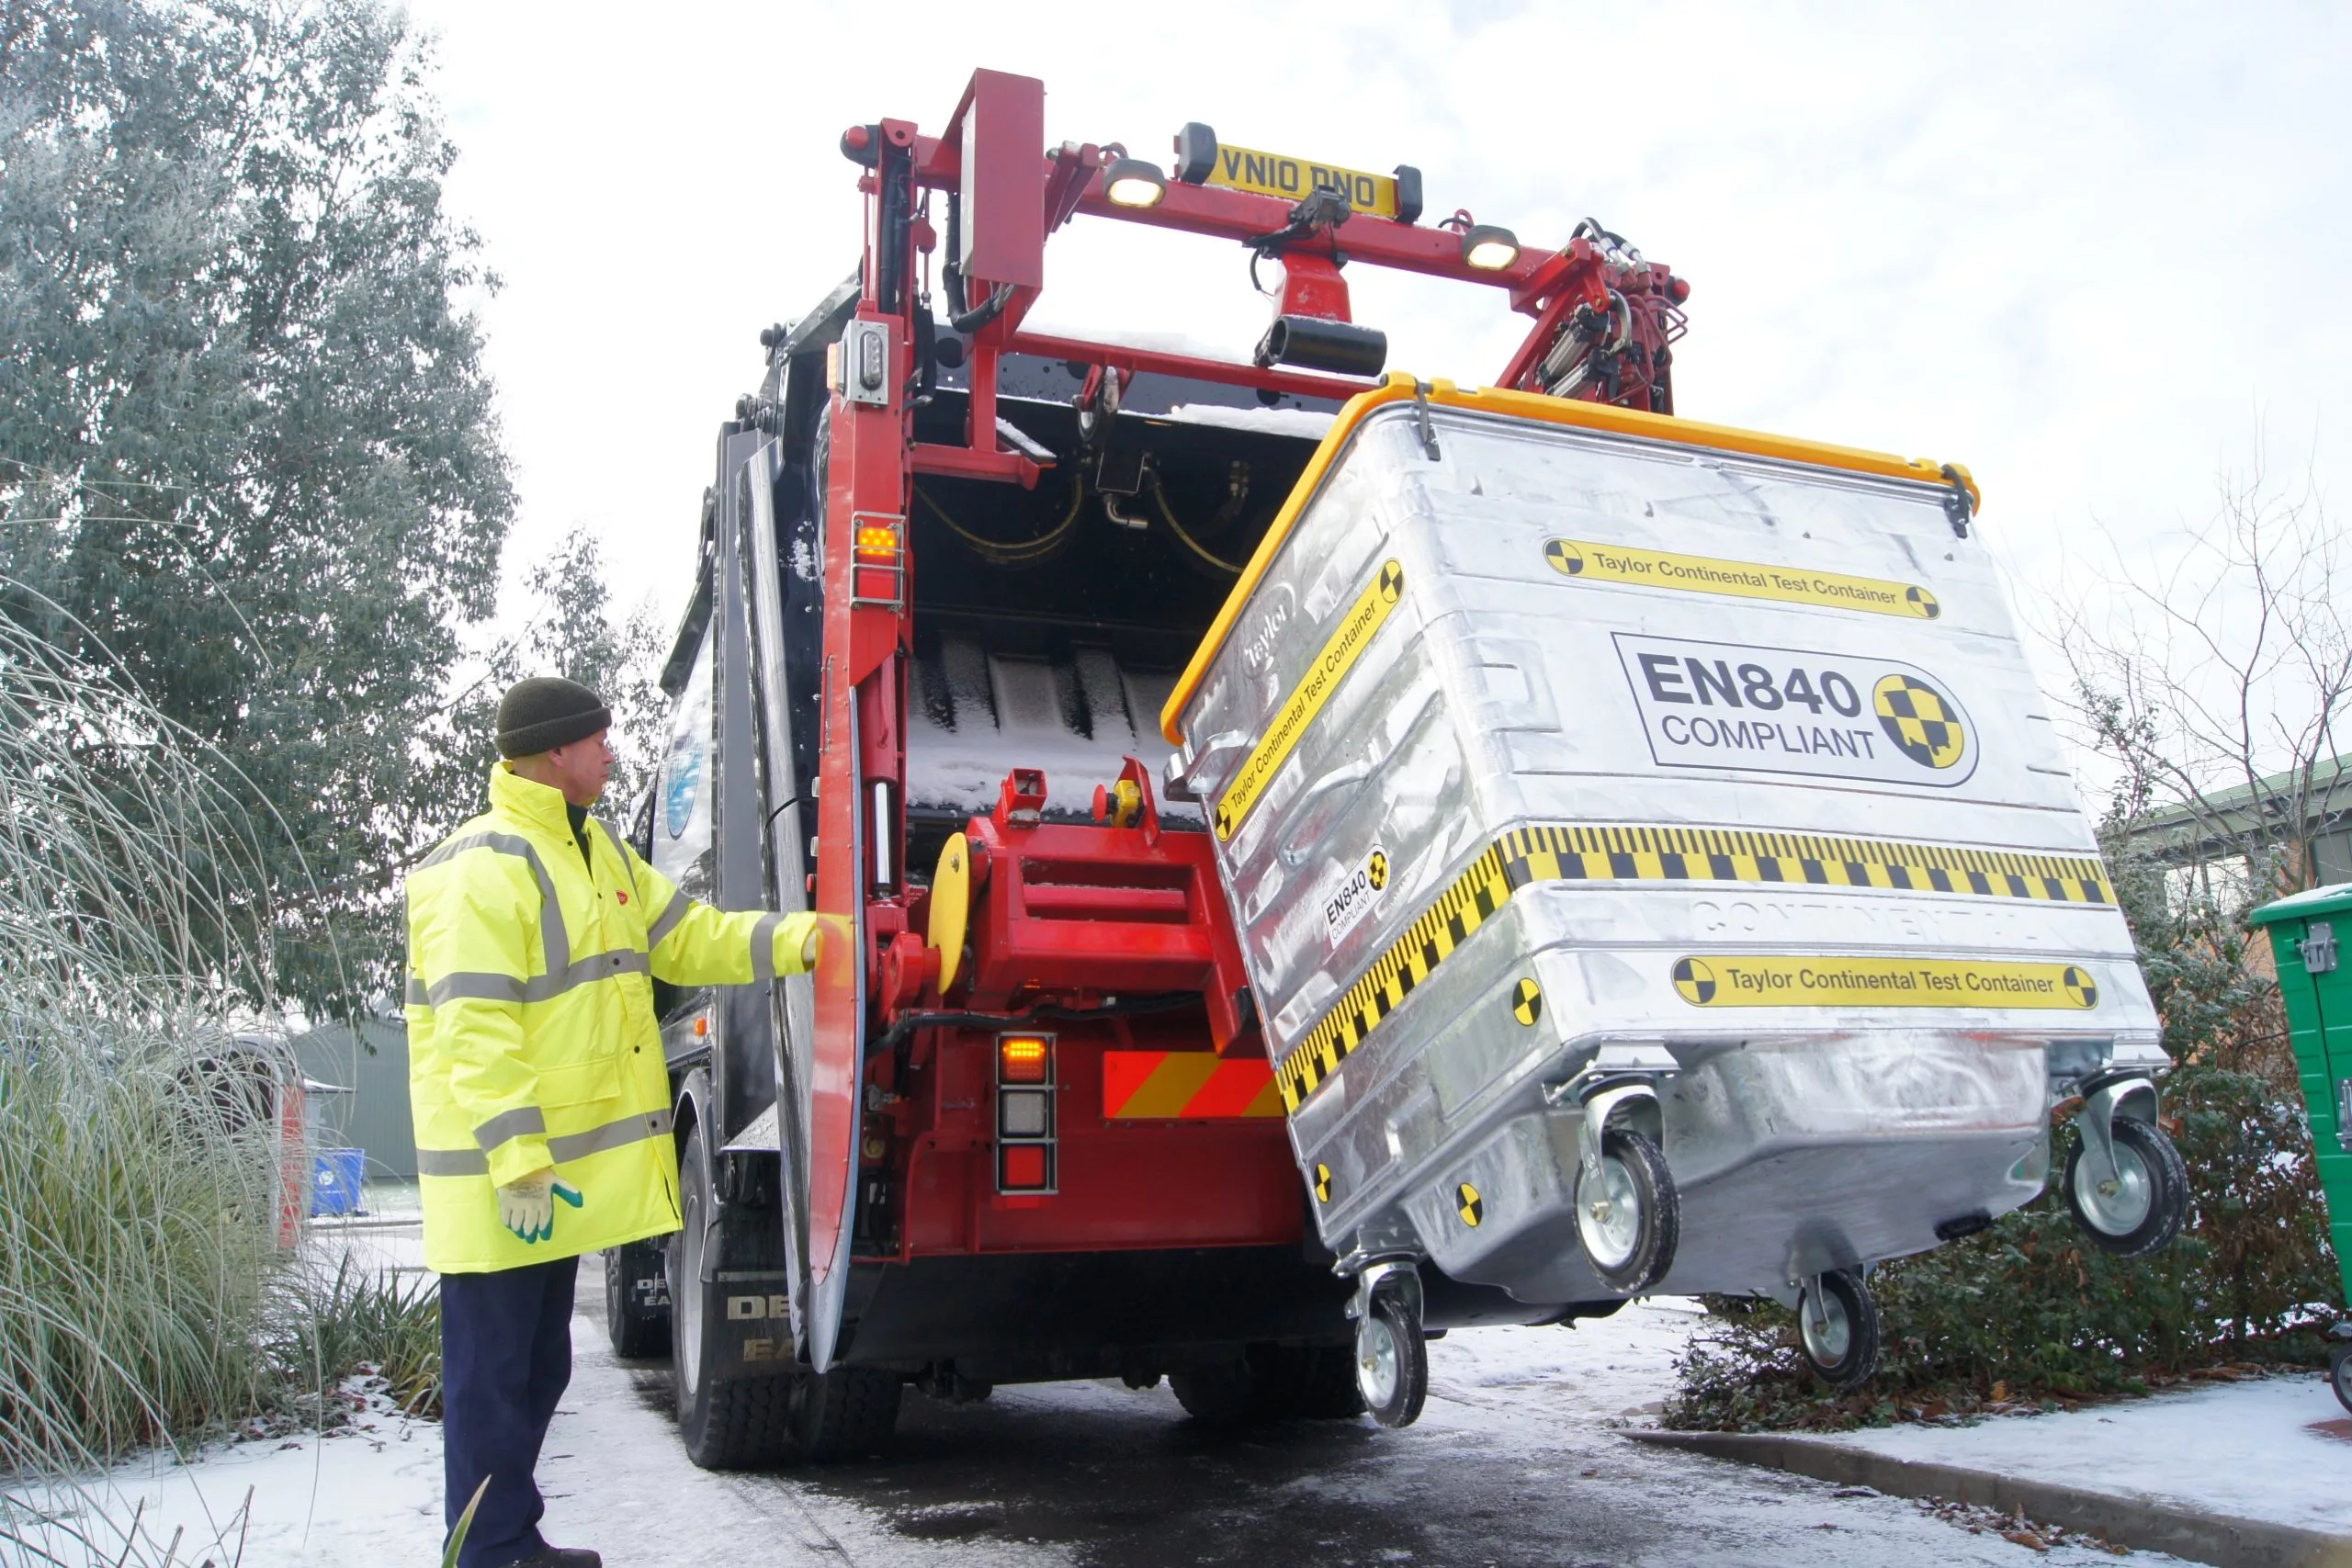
(1186, 1085)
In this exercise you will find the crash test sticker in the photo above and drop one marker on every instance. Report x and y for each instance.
(1788, 710)
(1360, 890)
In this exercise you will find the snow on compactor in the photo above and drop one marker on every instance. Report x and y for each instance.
(1599, 852)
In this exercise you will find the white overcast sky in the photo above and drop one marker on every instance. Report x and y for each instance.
(2093, 251)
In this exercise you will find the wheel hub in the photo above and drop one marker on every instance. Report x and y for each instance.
(1375, 1362)
(2120, 1205)
(1829, 1332)
(685, 1294)
(1608, 1221)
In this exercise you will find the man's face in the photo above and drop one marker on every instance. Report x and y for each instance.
(581, 768)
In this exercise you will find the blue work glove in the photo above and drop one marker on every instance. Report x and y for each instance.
(527, 1207)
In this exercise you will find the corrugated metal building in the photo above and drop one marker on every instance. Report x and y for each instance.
(371, 1060)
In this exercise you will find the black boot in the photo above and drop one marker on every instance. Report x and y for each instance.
(560, 1557)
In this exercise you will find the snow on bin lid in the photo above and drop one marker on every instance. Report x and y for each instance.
(1400, 387)
(2333, 899)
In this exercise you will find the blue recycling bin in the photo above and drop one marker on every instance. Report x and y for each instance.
(335, 1182)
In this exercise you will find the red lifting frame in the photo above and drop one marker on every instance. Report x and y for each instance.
(983, 153)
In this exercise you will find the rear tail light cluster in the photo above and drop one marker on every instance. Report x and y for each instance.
(1024, 1113)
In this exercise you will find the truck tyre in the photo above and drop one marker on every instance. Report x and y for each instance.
(1324, 1386)
(1271, 1383)
(2148, 1197)
(727, 1424)
(847, 1413)
(1228, 1395)
(637, 1300)
(2339, 1374)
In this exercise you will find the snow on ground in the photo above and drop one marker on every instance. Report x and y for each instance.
(2288, 1444)
(1527, 1418)
(613, 1472)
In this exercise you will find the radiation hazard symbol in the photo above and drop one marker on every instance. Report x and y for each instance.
(1923, 603)
(1527, 1002)
(2081, 989)
(1392, 582)
(1565, 556)
(1693, 981)
(1469, 1205)
(1923, 726)
(1375, 870)
(1322, 1183)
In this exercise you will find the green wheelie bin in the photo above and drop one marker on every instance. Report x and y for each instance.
(2315, 978)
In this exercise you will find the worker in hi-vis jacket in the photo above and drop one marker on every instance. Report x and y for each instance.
(535, 1072)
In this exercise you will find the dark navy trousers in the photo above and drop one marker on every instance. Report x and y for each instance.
(505, 1358)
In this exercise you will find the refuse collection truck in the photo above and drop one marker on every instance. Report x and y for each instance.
(1599, 851)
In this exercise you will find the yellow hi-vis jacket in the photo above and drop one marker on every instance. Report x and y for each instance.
(532, 1038)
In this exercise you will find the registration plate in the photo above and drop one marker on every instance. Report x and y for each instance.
(1278, 174)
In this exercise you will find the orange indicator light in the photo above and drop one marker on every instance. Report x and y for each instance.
(1021, 1059)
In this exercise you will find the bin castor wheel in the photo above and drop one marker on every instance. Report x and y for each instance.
(2139, 1207)
(2339, 1370)
(1628, 1215)
(1837, 1328)
(1392, 1360)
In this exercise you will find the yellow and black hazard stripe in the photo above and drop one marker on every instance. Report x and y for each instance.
(1560, 853)
(1715, 855)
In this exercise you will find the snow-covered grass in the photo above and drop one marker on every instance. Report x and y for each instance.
(144, 1296)
(138, 1181)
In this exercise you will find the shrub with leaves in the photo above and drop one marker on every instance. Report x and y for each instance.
(2028, 1310)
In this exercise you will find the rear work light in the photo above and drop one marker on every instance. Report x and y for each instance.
(1024, 1113)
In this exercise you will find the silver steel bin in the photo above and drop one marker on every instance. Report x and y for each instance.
(1553, 749)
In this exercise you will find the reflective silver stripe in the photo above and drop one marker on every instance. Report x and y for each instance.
(667, 920)
(554, 944)
(764, 947)
(596, 967)
(610, 1135)
(475, 985)
(571, 1147)
(417, 997)
(508, 1124)
(487, 987)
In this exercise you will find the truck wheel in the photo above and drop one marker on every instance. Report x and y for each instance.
(728, 1424)
(2141, 1210)
(1630, 1219)
(637, 1300)
(1837, 1328)
(846, 1412)
(1323, 1382)
(1228, 1395)
(1391, 1363)
(2339, 1374)
(1269, 1382)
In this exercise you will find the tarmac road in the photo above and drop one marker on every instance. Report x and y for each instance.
(1511, 1464)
